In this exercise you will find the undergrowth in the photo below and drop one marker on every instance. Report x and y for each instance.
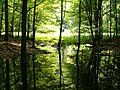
(66, 40)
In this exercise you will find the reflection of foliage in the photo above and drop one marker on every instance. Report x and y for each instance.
(69, 66)
(47, 75)
(47, 70)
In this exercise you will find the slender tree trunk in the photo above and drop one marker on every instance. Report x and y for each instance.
(23, 47)
(77, 54)
(19, 29)
(1, 19)
(116, 30)
(89, 16)
(64, 14)
(100, 21)
(96, 13)
(6, 20)
(34, 25)
(12, 27)
(59, 44)
(28, 26)
(110, 19)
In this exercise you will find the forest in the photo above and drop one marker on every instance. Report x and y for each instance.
(59, 45)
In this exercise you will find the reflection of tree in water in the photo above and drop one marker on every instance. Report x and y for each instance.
(98, 70)
(2, 73)
(40, 69)
(91, 73)
(103, 71)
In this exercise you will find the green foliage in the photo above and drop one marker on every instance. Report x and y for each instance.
(46, 40)
(66, 40)
(47, 66)
(47, 31)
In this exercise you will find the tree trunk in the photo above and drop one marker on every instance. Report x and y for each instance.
(23, 47)
(59, 44)
(110, 19)
(6, 20)
(12, 27)
(28, 26)
(77, 54)
(34, 25)
(19, 29)
(116, 30)
(1, 19)
(96, 13)
(100, 21)
(89, 16)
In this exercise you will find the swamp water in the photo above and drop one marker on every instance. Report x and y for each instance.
(97, 70)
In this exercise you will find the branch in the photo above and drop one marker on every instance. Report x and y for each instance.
(33, 7)
(15, 9)
(27, 10)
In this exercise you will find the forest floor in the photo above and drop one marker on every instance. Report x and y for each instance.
(12, 48)
(109, 44)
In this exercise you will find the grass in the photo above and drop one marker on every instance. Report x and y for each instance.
(46, 40)
(66, 40)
